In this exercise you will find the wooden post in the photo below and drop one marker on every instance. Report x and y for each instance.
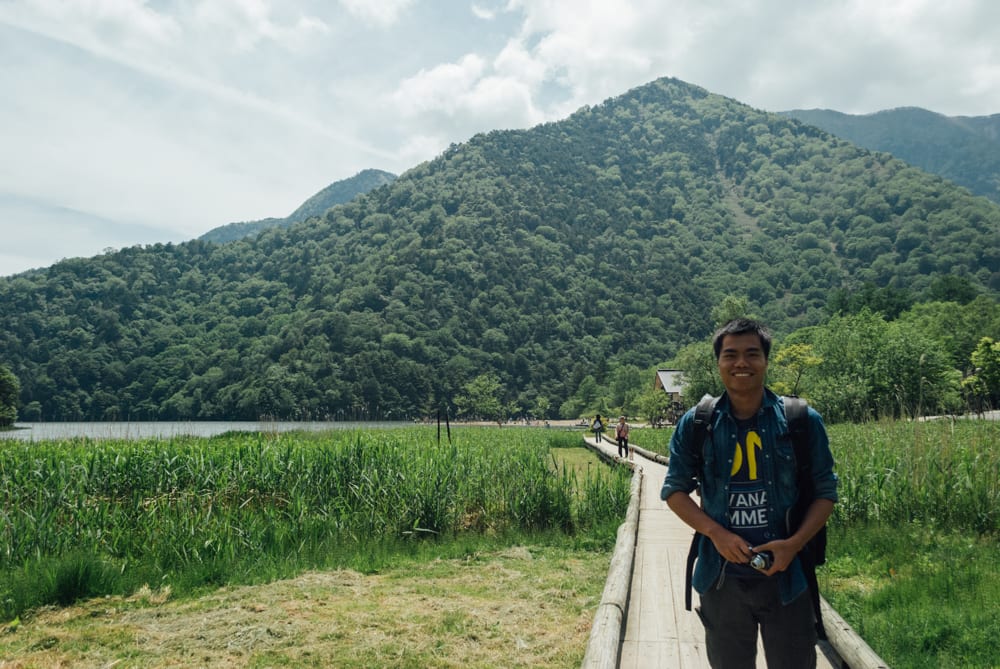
(852, 649)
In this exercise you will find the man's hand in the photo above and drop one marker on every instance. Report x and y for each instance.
(731, 546)
(783, 550)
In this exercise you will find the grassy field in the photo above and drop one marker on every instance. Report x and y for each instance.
(914, 540)
(89, 518)
(656, 440)
(519, 606)
(392, 550)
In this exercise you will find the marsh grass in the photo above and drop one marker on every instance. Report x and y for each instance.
(914, 540)
(656, 440)
(84, 518)
(937, 473)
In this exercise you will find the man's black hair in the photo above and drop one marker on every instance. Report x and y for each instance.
(739, 326)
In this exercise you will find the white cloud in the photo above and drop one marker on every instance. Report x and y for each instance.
(484, 13)
(503, 103)
(245, 23)
(377, 12)
(418, 148)
(440, 88)
(186, 114)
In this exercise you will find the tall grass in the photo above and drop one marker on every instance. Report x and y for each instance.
(84, 517)
(913, 547)
(940, 473)
(656, 440)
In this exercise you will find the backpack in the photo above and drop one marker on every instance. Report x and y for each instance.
(813, 554)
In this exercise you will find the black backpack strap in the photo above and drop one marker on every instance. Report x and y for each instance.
(701, 428)
(689, 570)
(797, 414)
(814, 553)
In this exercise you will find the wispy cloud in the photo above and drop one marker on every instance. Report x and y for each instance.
(378, 12)
(484, 13)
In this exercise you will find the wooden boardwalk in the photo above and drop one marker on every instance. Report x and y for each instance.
(659, 632)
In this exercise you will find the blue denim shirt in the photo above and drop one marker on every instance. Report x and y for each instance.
(778, 462)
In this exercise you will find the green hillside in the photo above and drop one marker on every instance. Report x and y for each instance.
(963, 149)
(544, 256)
(336, 193)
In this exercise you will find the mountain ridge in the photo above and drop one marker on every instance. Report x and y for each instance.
(963, 149)
(338, 192)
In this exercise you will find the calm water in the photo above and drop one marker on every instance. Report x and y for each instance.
(145, 430)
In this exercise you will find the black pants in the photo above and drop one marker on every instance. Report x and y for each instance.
(733, 613)
(622, 447)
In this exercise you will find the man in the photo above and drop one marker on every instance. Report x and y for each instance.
(747, 477)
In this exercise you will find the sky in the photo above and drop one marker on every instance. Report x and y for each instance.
(127, 122)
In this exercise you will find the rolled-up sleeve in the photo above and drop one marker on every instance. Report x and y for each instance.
(682, 465)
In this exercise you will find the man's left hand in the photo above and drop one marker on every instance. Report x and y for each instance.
(783, 550)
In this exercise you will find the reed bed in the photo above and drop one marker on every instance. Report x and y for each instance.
(656, 440)
(84, 518)
(913, 546)
(941, 473)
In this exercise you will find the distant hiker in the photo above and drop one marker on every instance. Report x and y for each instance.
(598, 427)
(621, 434)
(751, 571)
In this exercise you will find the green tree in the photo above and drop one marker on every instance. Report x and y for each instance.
(950, 288)
(541, 407)
(788, 366)
(482, 399)
(732, 306)
(10, 388)
(986, 361)
(625, 385)
(653, 405)
(871, 368)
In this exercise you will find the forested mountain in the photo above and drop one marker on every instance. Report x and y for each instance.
(336, 193)
(545, 256)
(964, 149)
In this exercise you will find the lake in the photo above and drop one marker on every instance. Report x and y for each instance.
(167, 429)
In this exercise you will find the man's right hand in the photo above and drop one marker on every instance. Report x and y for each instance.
(730, 545)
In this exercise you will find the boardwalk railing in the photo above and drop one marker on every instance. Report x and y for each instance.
(609, 620)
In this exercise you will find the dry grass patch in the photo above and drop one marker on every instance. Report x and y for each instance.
(522, 607)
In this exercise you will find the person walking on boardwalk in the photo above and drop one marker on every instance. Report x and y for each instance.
(746, 472)
(598, 427)
(621, 435)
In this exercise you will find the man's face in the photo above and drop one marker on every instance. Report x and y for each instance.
(742, 365)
